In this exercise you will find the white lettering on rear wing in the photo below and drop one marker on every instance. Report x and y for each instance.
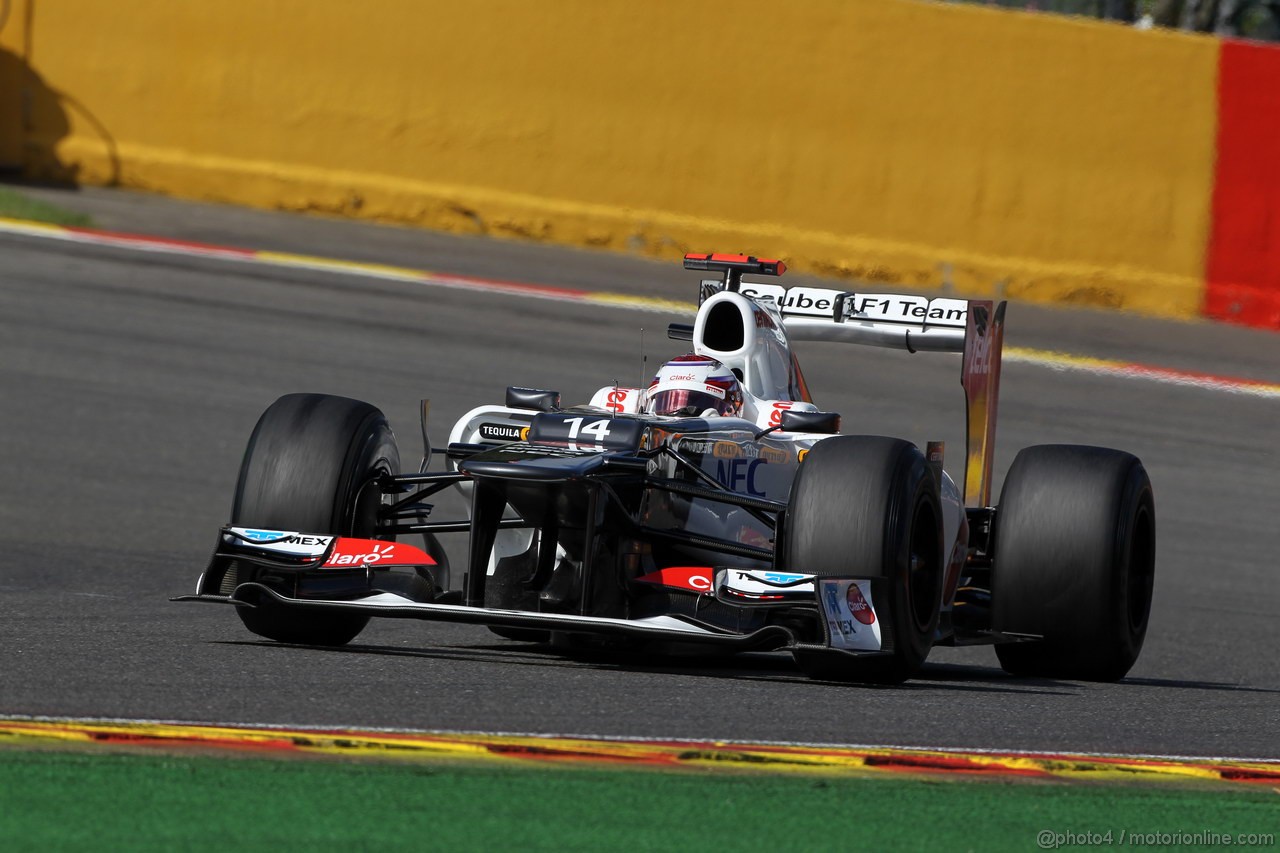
(901, 321)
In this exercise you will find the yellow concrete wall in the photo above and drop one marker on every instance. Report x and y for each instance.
(12, 72)
(895, 140)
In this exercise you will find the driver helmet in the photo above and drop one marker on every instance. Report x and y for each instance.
(693, 385)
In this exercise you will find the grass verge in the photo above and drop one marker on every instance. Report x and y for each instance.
(51, 800)
(15, 205)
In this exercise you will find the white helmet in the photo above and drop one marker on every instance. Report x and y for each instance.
(693, 385)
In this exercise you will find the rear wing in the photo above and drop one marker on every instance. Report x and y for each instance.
(972, 327)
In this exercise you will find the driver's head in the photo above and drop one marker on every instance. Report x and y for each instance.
(692, 386)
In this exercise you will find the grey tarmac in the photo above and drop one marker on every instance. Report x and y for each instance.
(131, 382)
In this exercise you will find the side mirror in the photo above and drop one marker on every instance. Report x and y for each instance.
(532, 398)
(680, 331)
(824, 422)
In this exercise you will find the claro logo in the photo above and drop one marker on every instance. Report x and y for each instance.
(858, 606)
(366, 553)
(362, 557)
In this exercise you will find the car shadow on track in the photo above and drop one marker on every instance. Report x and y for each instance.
(946, 672)
(1197, 685)
(751, 666)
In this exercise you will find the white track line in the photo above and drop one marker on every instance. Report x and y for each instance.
(141, 243)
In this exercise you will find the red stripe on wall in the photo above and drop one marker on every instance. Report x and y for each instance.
(1244, 246)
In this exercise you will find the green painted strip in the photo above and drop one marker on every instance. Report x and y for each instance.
(61, 800)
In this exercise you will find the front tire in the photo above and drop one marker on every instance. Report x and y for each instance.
(868, 507)
(1074, 562)
(308, 467)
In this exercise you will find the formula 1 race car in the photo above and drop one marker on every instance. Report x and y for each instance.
(717, 509)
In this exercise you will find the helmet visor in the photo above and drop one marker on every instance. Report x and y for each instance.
(681, 401)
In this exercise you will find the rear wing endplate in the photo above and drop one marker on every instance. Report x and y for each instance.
(980, 376)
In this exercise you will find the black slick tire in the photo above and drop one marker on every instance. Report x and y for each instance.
(1074, 562)
(868, 507)
(307, 467)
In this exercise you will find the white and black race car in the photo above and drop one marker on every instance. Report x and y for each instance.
(717, 509)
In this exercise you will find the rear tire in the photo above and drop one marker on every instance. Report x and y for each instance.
(868, 507)
(1074, 562)
(307, 468)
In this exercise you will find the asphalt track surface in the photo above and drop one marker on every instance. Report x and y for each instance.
(131, 381)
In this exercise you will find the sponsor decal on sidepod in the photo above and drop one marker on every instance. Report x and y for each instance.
(503, 432)
(617, 399)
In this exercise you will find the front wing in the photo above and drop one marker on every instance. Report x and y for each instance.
(852, 624)
(842, 625)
